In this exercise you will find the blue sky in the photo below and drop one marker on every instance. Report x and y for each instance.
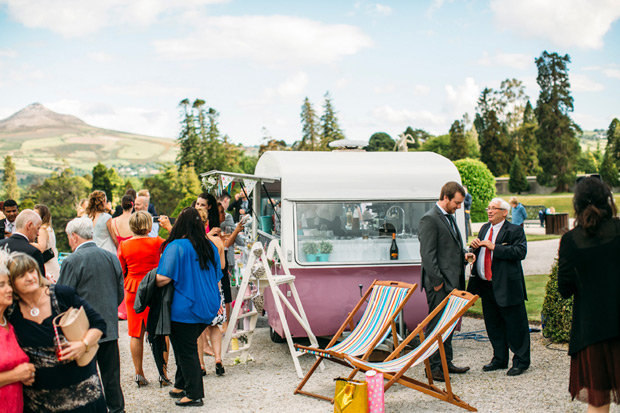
(126, 65)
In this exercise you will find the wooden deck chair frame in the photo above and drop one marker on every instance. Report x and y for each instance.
(428, 388)
(326, 354)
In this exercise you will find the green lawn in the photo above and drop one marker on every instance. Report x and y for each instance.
(535, 285)
(561, 202)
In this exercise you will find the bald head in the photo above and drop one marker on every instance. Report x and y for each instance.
(28, 223)
(142, 203)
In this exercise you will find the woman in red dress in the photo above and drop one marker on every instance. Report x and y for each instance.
(15, 370)
(138, 255)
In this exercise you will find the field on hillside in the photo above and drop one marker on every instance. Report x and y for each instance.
(43, 151)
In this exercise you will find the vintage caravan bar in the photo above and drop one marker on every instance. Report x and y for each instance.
(336, 215)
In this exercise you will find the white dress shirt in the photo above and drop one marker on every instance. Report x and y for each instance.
(484, 250)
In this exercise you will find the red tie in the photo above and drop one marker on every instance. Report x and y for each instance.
(487, 259)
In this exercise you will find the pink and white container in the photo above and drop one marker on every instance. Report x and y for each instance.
(374, 381)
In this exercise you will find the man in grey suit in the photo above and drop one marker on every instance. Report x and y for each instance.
(97, 277)
(443, 262)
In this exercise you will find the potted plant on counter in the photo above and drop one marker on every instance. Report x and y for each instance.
(325, 248)
(311, 249)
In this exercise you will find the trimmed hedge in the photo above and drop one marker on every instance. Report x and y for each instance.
(480, 183)
(557, 312)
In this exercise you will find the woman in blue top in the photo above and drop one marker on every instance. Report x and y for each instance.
(191, 262)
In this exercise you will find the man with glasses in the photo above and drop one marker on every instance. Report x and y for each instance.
(497, 277)
(443, 262)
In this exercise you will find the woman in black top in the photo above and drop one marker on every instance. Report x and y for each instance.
(589, 270)
(60, 385)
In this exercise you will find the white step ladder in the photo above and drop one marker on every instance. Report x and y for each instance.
(261, 274)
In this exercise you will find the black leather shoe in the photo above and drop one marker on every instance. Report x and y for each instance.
(197, 402)
(176, 395)
(219, 369)
(493, 366)
(457, 370)
(515, 371)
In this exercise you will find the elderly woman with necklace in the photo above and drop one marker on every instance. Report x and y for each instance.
(15, 370)
(60, 384)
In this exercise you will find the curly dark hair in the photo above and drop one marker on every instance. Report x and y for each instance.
(189, 225)
(593, 203)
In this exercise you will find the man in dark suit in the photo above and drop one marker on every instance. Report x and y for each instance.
(97, 277)
(27, 226)
(443, 262)
(498, 279)
(7, 225)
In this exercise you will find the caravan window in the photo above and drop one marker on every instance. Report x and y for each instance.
(358, 232)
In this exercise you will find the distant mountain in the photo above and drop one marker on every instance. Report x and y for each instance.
(41, 141)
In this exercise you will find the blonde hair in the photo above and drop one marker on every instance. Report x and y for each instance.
(513, 201)
(204, 215)
(144, 192)
(18, 265)
(141, 223)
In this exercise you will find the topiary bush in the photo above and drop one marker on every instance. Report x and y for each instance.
(557, 312)
(480, 183)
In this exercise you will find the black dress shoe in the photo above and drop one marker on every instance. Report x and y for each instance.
(515, 371)
(219, 369)
(457, 370)
(493, 366)
(197, 402)
(176, 395)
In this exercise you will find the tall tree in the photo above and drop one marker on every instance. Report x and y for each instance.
(526, 145)
(330, 130)
(11, 190)
(310, 139)
(609, 170)
(510, 103)
(380, 142)
(495, 146)
(171, 185)
(189, 142)
(613, 141)
(556, 133)
(106, 180)
(518, 181)
(458, 141)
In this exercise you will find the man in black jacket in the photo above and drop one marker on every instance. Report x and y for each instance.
(27, 226)
(497, 277)
(7, 225)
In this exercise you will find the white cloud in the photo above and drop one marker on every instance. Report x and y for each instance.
(383, 89)
(72, 18)
(462, 99)
(267, 39)
(581, 23)
(146, 89)
(343, 82)
(293, 86)
(373, 9)
(435, 5)
(8, 53)
(513, 60)
(126, 119)
(387, 114)
(421, 90)
(615, 73)
(582, 83)
(101, 57)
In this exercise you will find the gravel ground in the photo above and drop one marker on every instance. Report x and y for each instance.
(267, 383)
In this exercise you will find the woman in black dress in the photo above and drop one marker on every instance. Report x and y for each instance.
(60, 384)
(589, 270)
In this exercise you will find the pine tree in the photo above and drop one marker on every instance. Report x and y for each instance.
(495, 148)
(609, 170)
(458, 141)
(310, 135)
(11, 190)
(188, 140)
(330, 130)
(556, 133)
(518, 181)
(525, 141)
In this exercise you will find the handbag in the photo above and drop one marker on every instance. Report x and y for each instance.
(74, 326)
(350, 396)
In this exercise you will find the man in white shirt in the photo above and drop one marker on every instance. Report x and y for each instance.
(142, 204)
(497, 277)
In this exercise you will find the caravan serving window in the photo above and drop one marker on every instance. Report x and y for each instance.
(358, 232)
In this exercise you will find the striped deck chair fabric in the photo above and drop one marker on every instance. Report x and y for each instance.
(383, 303)
(455, 304)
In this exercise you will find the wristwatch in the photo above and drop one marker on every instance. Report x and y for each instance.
(87, 345)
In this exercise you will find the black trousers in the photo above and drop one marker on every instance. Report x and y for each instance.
(109, 362)
(507, 328)
(188, 377)
(434, 298)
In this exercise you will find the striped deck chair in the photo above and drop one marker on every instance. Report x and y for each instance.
(395, 367)
(387, 299)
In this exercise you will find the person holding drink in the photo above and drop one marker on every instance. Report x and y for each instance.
(60, 384)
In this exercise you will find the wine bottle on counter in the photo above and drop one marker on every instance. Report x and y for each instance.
(394, 248)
